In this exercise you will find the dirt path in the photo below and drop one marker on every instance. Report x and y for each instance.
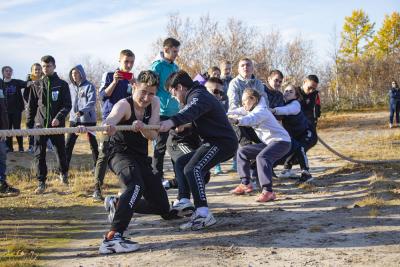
(311, 226)
(304, 228)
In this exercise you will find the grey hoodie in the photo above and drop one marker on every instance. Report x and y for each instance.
(237, 86)
(83, 98)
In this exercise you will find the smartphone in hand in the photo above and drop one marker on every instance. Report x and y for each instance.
(125, 75)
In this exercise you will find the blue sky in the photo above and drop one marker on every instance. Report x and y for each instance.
(72, 29)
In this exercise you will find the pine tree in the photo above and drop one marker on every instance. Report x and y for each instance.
(356, 35)
(387, 40)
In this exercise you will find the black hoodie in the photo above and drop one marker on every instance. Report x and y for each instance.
(49, 99)
(207, 114)
(3, 108)
(311, 106)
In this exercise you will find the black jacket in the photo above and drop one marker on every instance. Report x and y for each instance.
(311, 106)
(207, 114)
(13, 93)
(3, 108)
(49, 99)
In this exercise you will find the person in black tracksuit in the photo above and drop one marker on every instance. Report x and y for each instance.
(311, 107)
(15, 104)
(219, 142)
(48, 105)
(179, 143)
(128, 159)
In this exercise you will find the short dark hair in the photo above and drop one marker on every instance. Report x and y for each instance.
(6, 67)
(171, 42)
(313, 78)
(212, 69)
(275, 72)
(215, 80)
(180, 77)
(48, 59)
(148, 77)
(127, 53)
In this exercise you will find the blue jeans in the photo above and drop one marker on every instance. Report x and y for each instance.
(3, 159)
(394, 110)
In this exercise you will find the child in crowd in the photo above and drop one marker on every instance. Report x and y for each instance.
(275, 144)
(35, 75)
(296, 124)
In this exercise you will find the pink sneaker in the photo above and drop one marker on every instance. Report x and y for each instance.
(266, 196)
(242, 189)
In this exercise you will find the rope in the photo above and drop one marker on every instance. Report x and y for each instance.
(359, 161)
(54, 131)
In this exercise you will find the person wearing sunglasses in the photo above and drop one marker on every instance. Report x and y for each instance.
(215, 86)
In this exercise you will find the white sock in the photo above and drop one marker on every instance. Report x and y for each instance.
(202, 211)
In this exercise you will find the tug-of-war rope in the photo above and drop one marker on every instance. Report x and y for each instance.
(53, 131)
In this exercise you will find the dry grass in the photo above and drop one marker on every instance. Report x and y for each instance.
(307, 187)
(17, 251)
(371, 201)
(373, 213)
(315, 229)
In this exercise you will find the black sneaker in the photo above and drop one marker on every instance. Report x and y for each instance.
(97, 196)
(7, 189)
(305, 177)
(64, 178)
(173, 183)
(41, 188)
(21, 149)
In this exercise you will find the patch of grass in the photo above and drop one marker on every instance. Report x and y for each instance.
(17, 252)
(371, 201)
(381, 183)
(374, 212)
(307, 187)
(315, 228)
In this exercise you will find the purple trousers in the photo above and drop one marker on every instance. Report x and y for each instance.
(264, 155)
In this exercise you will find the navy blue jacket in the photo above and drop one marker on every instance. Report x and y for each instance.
(394, 94)
(295, 125)
(208, 116)
(121, 90)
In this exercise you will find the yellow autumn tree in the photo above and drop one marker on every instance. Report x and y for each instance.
(356, 35)
(387, 40)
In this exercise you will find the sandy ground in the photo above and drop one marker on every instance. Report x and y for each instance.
(305, 227)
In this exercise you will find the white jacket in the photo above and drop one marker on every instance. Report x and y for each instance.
(267, 128)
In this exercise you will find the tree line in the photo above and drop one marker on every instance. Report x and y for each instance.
(357, 74)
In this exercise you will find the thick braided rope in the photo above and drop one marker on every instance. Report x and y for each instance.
(355, 160)
(54, 131)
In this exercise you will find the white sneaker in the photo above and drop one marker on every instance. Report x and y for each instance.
(166, 184)
(118, 245)
(183, 209)
(287, 173)
(198, 222)
(110, 204)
